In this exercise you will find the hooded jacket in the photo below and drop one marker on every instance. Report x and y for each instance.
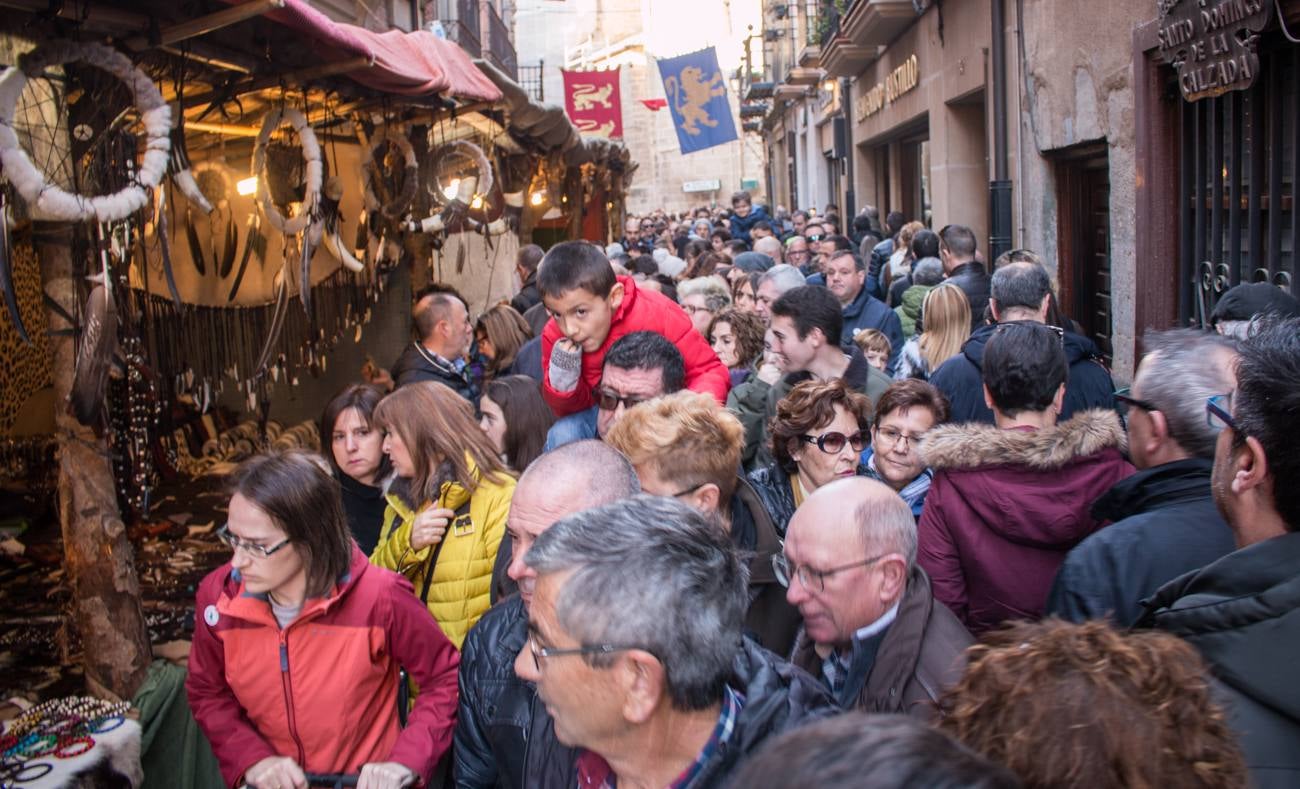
(741, 225)
(961, 379)
(416, 365)
(868, 312)
(778, 697)
(1007, 505)
(909, 311)
(460, 589)
(640, 310)
(923, 653)
(1243, 614)
(1165, 524)
(322, 691)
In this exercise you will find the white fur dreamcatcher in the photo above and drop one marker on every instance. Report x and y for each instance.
(314, 169)
(48, 201)
(460, 192)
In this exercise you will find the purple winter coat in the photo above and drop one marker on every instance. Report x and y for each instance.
(1005, 508)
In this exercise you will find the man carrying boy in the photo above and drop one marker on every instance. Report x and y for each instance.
(591, 309)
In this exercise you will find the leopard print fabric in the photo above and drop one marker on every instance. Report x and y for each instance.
(26, 368)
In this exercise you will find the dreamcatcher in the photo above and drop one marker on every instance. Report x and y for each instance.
(459, 178)
(216, 190)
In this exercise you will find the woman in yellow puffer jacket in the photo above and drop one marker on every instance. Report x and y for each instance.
(451, 490)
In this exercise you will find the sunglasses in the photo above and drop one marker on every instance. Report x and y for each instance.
(609, 401)
(814, 237)
(832, 443)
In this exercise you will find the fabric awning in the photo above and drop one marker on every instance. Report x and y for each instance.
(406, 64)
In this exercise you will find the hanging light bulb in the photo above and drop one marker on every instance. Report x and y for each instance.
(452, 189)
(537, 198)
(246, 186)
(476, 203)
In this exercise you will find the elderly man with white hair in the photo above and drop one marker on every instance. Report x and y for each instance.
(635, 645)
(873, 631)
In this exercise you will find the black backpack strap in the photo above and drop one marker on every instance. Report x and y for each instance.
(461, 511)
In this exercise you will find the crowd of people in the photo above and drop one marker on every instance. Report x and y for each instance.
(751, 500)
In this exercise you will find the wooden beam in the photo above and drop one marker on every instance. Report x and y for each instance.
(297, 77)
(204, 24)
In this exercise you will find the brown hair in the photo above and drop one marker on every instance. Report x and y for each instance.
(873, 340)
(706, 264)
(686, 437)
(913, 393)
(363, 397)
(748, 330)
(433, 421)
(528, 417)
(811, 406)
(946, 312)
(507, 330)
(294, 489)
(1067, 705)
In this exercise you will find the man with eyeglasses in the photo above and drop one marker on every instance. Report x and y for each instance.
(873, 632)
(636, 649)
(1164, 521)
(797, 255)
(1009, 501)
(640, 366)
(1240, 612)
(504, 737)
(686, 447)
(1021, 293)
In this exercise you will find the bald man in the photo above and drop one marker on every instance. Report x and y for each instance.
(873, 632)
(501, 724)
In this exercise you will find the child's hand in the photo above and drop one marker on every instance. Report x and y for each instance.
(566, 365)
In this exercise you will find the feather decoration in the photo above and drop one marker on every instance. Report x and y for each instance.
(95, 354)
(277, 320)
(232, 246)
(310, 238)
(7, 273)
(164, 245)
(254, 235)
(196, 248)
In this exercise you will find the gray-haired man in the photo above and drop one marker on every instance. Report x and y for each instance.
(503, 737)
(635, 647)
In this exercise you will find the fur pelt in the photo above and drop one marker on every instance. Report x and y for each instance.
(975, 445)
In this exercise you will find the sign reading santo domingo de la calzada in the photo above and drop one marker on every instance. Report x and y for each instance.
(1212, 43)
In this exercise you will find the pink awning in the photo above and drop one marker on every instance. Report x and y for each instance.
(407, 64)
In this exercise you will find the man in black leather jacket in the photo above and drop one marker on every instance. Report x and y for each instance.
(504, 736)
(957, 250)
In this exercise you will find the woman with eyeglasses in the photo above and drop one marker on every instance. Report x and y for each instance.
(447, 506)
(904, 414)
(702, 298)
(817, 435)
(299, 640)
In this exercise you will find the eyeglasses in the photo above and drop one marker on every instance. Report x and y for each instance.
(814, 237)
(812, 580)
(687, 491)
(892, 436)
(695, 309)
(1057, 330)
(1126, 401)
(609, 401)
(539, 652)
(1218, 412)
(832, 443)
(250, 548)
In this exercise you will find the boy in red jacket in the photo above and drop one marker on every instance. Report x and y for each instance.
(590, 309)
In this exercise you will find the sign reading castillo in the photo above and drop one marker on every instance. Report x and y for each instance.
(1212, 43)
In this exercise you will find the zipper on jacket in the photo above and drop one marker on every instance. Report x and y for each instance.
(287, 684)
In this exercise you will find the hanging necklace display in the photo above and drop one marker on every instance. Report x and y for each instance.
(7, 271)
(47, 201)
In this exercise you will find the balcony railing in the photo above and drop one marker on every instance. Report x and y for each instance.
(500, 50)
(460, 21)
(824, 27)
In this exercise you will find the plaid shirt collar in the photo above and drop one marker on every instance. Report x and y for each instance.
(595, 773)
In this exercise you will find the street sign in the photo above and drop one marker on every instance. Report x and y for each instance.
(710, 185)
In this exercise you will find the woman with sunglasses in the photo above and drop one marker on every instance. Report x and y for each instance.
(817, 435)
(299, 640)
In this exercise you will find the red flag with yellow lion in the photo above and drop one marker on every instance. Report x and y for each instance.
(592, 101)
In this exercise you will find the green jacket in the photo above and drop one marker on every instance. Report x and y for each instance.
(909, 312)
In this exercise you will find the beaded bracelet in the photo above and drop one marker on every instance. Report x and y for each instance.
(67, 746)
(44, 745)
(107, 724)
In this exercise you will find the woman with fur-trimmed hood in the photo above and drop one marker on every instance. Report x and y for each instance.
(1008, 502)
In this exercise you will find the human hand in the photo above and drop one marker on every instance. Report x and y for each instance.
(276, 772)
(385, 775)
(769, 373)
(429, 527)
(566, 365)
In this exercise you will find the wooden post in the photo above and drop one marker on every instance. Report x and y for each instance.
(97, 556)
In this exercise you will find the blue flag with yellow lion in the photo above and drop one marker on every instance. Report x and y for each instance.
(697, 97)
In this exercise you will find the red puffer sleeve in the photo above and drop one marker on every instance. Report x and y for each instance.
(704, 370)
(565, 403)
(418, 644)
(235, 742)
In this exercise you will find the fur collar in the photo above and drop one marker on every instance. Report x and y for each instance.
(974, 445)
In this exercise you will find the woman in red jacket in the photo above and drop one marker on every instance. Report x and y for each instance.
(299, 639)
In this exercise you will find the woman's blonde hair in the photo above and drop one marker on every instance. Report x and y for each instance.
(438, 427)
(946, 316)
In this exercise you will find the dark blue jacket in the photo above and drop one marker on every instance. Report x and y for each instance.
(1165, 524)
(880, 255)
(961, 379)
(741, 225)
(868, 312)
